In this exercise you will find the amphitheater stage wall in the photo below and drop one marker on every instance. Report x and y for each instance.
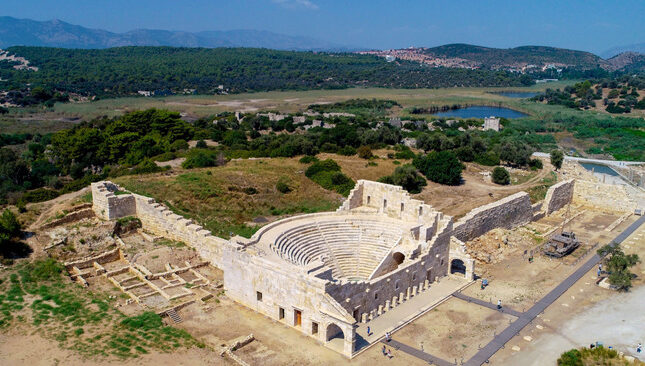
(509, 212)
(371, 298)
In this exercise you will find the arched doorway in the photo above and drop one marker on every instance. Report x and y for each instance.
(334, 332)
(398, 257)
(458, 266)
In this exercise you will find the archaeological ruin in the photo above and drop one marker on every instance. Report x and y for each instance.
(326, 273)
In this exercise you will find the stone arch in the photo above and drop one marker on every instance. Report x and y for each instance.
(334, 332)
(458, 266)
(398, 257)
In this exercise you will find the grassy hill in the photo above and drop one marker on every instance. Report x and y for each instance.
(511, 57)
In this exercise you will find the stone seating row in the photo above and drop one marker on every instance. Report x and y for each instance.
(353, 248)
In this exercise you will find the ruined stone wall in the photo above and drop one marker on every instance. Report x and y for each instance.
(158, 219)
(391, 200)
(603, 196)
(109, 206)
(558, 196)
(509, 212)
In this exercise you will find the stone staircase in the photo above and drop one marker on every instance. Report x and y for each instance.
(172, 314)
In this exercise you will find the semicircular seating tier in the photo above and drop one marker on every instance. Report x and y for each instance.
(352, 246)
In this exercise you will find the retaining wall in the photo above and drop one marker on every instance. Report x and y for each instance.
(507, 213)
(558, 196)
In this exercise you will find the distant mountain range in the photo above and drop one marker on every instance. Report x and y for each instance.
(56, 33)
(637, 48)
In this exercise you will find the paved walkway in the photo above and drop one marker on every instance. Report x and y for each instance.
(486, 304)
(500, 340)
(432, 360)
(404, 313)
(595, 161)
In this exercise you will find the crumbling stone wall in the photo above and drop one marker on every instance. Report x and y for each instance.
(558, 196)
(509, 212)
(109, 206)
(158, 219)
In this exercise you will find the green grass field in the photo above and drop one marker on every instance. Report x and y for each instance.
(293, 101)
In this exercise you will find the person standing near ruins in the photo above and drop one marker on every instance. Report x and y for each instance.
(499, 304)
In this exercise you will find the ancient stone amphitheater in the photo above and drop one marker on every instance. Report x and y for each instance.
(326, 273)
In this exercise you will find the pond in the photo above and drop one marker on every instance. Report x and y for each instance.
(597, 168)
(518, 95)
(481, 112)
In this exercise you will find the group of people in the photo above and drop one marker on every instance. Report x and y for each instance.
(388, 353)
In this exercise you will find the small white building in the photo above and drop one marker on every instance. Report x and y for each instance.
(491, 123)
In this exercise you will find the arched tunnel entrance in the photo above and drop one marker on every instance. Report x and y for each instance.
(458, 266)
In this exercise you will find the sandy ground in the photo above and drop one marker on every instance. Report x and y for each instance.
(617, 321)
(584, 314)
(454, 329)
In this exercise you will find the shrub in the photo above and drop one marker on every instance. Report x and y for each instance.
(308, 159)
(501, 176)
(201, 144)
(282, 186)
(557, 157)
(489, 159)
(181, 145)
(39, 195)
(407, 177)
(405, 153)
(145, 167)
(465, 153)
(347, 151)
(201, 158)
(535, 164)
(327, 173)
(441, 167)
(364, 152)
(328, 165)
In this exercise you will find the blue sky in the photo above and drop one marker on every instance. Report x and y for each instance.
(589, 25)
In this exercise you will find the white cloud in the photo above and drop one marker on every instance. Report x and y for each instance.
(292, 4)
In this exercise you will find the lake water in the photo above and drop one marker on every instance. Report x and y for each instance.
(518, 95)
(597, 168)
(481, 112)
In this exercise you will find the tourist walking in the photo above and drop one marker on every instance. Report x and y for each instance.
(369, 331)
(389, 353)
(499, 304)
(639, 348)
(384, 351)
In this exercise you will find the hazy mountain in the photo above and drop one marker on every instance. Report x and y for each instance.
(638, 48)
(56, 33)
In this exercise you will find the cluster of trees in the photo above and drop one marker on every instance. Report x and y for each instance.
(407, 177)
(125, 70)
(26, 97)
(373, 107)
(622, 96)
